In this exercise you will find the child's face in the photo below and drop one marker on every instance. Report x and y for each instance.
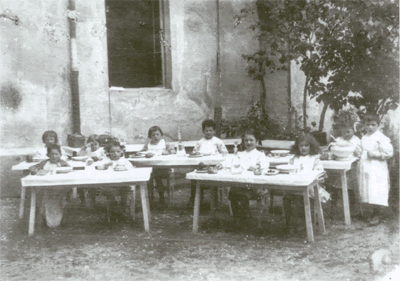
(156, 136)
(49, 139)
(304, 148)
(115, 153)
(94, 146)
(209, 132)
(54, 156)
(249, 142)
(347, 133)
(371, 127)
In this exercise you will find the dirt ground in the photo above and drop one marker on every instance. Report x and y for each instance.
(85, 248)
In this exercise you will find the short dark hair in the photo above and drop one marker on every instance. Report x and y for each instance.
(248, 132)
(108, 147)
(372, 117)
(49, 134)
(308, 138)
(154, 129)
(208, 123)
(52, 146)
(93, 138)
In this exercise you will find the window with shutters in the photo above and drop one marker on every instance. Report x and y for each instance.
(139, 53)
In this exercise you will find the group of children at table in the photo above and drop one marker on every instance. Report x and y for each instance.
(373, 150)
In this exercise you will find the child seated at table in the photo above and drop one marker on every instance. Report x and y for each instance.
(50, 137)
(373, 168)
(306, 158)
(115, 157)
(249, 159)
(333, 182)
(158, 146)
(95, 153)
(92, 149)
(209, 144)
(54, 198)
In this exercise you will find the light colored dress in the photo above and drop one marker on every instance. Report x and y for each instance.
(310, 163)
(373, 174)
(157, 149)
(249, 159)
(212, 146)
(99, 153)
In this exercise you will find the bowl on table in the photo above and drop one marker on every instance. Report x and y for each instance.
(102, 167)
(280, 153)
(342, 150)
(286, 169)
(80, 158)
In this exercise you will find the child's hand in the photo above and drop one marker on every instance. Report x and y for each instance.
(165, 152)
(89, 162)
(374, 155)
(219, 167)
(251, 168)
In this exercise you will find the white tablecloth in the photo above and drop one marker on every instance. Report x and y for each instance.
(86, 177)
(174, 161)
(299, 179)
(24, 166)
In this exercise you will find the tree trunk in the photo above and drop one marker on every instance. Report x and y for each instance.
(289, 95)
(263, 97)
(305, 92)
(322, 118)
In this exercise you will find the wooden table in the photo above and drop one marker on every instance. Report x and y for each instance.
(91, 179)
(342, 167)
(24, 166)
(291, 183)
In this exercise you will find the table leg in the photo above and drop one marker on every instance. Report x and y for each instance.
(133, 202)
(22, 203)
(33, 212)
(145, 206)
(214, 199)
(310, 234)
(196, 212)
(148, 202)
(345, 195)
(320, 212)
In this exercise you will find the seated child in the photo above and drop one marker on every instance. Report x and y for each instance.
(158, 146)
(95, 153)
(92, 149)
(374, 182)
(209, 145)
(115, 156)
(50, 137)
(54, 198)
(306, 158)
(250, 159)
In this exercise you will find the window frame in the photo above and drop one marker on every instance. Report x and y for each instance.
(166, 61)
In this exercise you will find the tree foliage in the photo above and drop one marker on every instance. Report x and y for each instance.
(353, 44)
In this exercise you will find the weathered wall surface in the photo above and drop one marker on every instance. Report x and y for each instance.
(35, 68)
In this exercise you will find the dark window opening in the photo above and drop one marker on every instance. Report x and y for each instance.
(135, 57)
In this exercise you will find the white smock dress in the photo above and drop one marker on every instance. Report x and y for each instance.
(373, 174)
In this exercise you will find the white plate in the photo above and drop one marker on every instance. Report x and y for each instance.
(201, 171)
(63, 170)
(80, 158)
